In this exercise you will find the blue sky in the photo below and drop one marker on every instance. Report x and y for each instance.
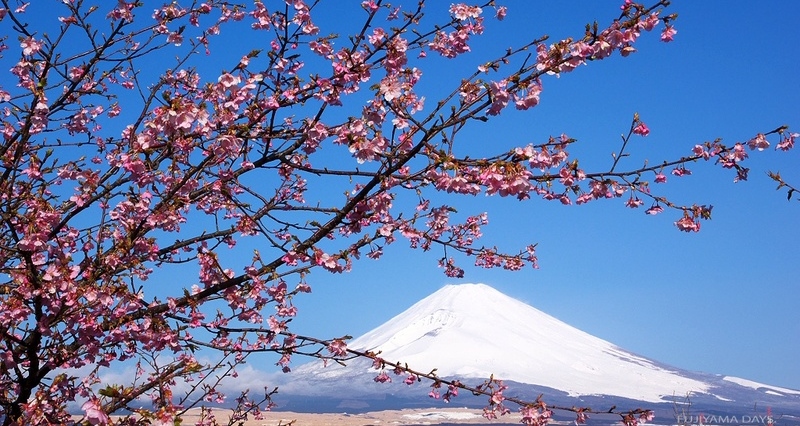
(720, 301)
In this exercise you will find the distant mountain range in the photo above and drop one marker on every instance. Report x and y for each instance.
(472, 331)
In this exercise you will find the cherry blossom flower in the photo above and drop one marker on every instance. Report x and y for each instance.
(434, 393)
(650, 23)
(634, 202)
(463, 12)
(383, 377)
(654, 210)
(701, 152)
(668, 34)
(681, 171)
(450, 268)
(500, 97)
(370, 6)
(391, 88)
(30, 46)
(787, 141)
(94, 414)
(337, 347)
(641, 129)
(759, 142)
(530, 98)
(538, 414)
(175, 38)
(228, 80)
(262, 17)
(500, 12)
(688, 224)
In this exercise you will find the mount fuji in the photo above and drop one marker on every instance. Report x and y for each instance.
(472, 331)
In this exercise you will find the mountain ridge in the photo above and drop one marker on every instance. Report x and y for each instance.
(487, 333)
(474, 331)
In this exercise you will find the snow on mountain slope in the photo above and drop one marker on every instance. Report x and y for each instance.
(775, 390)
(473, 331)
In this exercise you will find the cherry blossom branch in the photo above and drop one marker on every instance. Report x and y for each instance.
(534, 412)
(92, 208)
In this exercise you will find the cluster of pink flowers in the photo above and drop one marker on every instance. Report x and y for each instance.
(467, 22)
(787, 141)
(635, 419)
(450, 268)
(383, 377)
(537, 414)
(337, 348)
(496, 406)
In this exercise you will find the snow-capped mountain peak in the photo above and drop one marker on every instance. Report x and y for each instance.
(473, 330)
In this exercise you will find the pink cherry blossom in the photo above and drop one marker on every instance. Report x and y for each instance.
(434, 393)
(383, 377)
(759, 142)
(701, 152)
(654, 210)
(668, 34)
(391, 88)
(228, 80)
(530, 97)
(634, 202)
(370, 6)
(463, 12)
(787, 141)
(500, 12)
(262, 17)
(30, 46)
(94, 413)
(681, 171)
(500, 97)
(337, 348)
(650, 23)
(641, 129)
(688, 224)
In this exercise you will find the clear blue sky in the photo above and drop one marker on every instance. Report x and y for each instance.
(722, 301)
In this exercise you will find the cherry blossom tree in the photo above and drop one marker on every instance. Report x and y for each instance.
(163, 194)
